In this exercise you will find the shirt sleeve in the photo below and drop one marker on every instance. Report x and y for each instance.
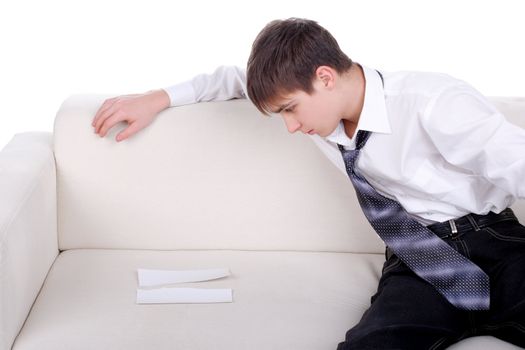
(225, 83)
(471, 133)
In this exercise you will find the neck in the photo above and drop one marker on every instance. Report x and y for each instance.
(354, 92)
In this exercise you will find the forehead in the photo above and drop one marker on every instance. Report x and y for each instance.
(284, 100)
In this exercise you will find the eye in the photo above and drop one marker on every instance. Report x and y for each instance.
(289, 109)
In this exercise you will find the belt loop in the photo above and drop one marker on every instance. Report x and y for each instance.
(453, 227)
(473, 222)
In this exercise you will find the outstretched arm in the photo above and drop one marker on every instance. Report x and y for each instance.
(139, 110)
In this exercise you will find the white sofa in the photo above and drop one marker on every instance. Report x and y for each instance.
(206, 185)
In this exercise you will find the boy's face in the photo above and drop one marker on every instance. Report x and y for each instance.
(318, 113)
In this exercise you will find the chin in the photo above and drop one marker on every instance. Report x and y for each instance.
(330, 132)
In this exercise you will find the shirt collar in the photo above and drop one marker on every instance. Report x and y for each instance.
(373, 115)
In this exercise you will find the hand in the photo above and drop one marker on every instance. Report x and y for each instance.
(138, 110)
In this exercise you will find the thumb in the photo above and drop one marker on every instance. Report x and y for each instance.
(132, 129)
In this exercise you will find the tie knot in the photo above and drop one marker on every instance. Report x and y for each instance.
(360, 140)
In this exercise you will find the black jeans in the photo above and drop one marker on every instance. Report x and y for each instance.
(408, 313)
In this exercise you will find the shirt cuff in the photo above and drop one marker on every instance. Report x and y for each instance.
(181, 94)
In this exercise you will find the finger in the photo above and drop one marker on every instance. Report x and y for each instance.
(104, 107)
(108, 113)
(132, 129)
(103, 114)
(109, 122)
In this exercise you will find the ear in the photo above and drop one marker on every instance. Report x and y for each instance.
(327, 75)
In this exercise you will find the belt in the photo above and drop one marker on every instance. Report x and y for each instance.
(453, 227)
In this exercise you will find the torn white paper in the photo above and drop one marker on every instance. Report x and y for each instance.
(149, 277)
(183, 295)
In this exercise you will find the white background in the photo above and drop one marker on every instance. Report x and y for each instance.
(54, 48)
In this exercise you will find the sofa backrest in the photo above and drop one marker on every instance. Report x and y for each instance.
(214, 175)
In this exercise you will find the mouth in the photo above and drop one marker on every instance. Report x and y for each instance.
(311, 132)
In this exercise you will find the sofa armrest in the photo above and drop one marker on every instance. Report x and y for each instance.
(28, 226)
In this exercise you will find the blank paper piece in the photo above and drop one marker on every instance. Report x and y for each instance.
(156, 278)
(149, 277)
(183, 295)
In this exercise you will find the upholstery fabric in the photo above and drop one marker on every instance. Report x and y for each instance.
(28, 226)
(247, 184)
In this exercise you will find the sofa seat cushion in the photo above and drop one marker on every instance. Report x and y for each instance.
(281, 300)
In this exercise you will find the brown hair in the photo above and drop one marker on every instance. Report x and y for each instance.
(285, 56)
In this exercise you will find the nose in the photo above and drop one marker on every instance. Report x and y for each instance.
(291, 124)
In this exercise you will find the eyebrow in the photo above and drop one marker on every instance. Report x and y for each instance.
(282, 107)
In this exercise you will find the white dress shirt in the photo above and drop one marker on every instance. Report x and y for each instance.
(438, 146)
